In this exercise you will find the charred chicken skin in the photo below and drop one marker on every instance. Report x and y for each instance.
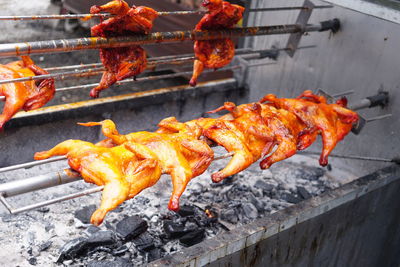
(122, 62)
(123, 170)
(180, 154)
(332, 121)
(215, 54)
(23, 95)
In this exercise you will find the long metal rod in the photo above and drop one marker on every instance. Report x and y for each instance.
(160, 13)
(65, 45)
(46, 181)
(30, 164)
(394, 160)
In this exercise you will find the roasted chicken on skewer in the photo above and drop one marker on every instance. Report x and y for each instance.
(180, 154)
(123, 170)
(332, 121)
(122, 62)
(214, 54)
(23, 95)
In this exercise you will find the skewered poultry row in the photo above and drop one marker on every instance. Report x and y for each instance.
(127, 164)
(120, 62)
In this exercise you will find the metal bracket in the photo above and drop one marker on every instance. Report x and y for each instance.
(302, 20)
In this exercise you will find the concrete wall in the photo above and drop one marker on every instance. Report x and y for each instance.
(362, 57)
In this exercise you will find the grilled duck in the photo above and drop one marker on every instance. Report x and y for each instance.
(180, 154)
(215, 54)
(332, 121)
(23, 95)
(122, 62)
(123, 170)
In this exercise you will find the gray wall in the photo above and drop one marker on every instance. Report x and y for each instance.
(363, 56)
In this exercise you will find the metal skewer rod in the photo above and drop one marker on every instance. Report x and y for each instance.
(49, 180)
(65, 45)
(160, 13)
(394, 160)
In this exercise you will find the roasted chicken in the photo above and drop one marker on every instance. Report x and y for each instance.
(23, 95)
(180, 154)
(123, 170)
(122, 62)
(215, 54)
(332, 121)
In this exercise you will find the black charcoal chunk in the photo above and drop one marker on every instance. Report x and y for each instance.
(44, 246)
(85, 213)
(265, 187)
(174, 230)
(32, 261)
(290, 198)
(303, 192)
(186, 210)
(144, 242)
(131, 227)
(154, 254)
(229, 215)
(102, 238)
(192, 238)
(73, 248)
(92, 229)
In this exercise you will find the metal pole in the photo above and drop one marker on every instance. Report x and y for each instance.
(65, 45)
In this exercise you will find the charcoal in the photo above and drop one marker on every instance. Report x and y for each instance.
(118, 262)
(196, 188)
(186, 210)
(265, 187)
(174, 230)
(290, 198)
(92, 229)
(120, 250)
(154, 254)
(311, 173)
(131, 227)
(229, 215)
(32, 261)
(256, 202)
(192, 238)
(250, 211)
(73, 248)
(44, 246)
(102, 238)
(85, 213)
(144, 242)
(303, 192)
(43, 209)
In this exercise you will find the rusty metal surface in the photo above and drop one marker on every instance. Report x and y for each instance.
(354, 225)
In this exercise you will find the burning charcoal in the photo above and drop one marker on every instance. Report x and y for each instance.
(72, 249)
(154, 254)
(144, 242)
(102, 238)
(85, 213)
(263, 186)
(250, 211)
(290, 198)
(174, 230)
(303, 192)
(229, 215)
(186, 210)
(44, 246)
(118, 262)
(192, 238)
(131, 227)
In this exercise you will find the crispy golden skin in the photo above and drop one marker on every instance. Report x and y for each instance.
(215, 54)
(123, 170)
(180, 154)
(23, 95)
(332, 121)
(122, 62)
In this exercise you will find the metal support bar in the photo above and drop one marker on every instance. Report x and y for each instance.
(394, 160)
(65, 45)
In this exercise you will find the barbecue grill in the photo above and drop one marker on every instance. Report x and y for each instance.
(283, 50)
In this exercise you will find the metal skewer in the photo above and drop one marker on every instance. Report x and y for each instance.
(27, 48)
(394, 160)
(49, 180)
(160, 13)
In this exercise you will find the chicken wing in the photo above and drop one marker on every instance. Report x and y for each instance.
(215, 54)
(23, 95)
(332, 121)
(122, 62)
(123, 170)
(181, 154)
